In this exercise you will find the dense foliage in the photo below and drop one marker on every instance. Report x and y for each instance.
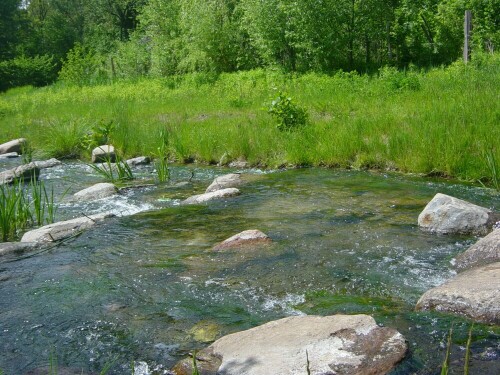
(133, 38)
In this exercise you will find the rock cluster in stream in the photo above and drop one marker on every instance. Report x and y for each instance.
(475, 292)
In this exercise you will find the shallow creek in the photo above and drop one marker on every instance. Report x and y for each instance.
(144, 289)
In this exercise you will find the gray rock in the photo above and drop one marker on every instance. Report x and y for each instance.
(9, 155)
(48, 163)
(22, 173)
(445, 214)
(250, 237)
(239, 164)
(17, 247)
(63, 229)
(103, 154)
(219, 194)
(485, 251)
(338, 344)
(231, 180)
(97, 191)
(15, 145)
(473, 293)
(141, 160)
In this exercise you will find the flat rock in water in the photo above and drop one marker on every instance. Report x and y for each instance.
(485, 251)
(231, 180)
(48, 163)
(97, 191)
(445, 214)
(219, 194)
(63, 229)
(15, 145)
(246, 238)
(141, 160)
(103, 154)
(473, 293)
(17, 247)
(338, 344)
(239, 164)
(22, 173)
(9, 155)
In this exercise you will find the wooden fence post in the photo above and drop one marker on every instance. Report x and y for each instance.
(467, 29)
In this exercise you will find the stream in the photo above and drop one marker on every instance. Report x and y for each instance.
(138, 292)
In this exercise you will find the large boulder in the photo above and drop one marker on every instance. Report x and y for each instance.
(16, 247)
(23, 173)
(231, 180)
(246, 238)
(219, 194)
(103, 154)
(485, 251)
(338, 344)
(97, 191)
(63, 229)
(445, 214)
(15, 145)
(473, 293)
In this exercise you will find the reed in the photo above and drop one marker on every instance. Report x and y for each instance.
(446, 363)
(113, 172)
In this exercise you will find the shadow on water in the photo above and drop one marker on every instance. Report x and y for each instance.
(148, 287)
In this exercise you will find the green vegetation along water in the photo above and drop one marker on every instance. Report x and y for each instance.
(147, 288)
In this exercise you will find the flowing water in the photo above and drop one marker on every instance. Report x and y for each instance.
(142, 290)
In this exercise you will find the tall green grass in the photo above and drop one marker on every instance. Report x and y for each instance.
(22, 206)
(443, 121)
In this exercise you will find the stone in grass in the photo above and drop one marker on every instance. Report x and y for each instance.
(485, 251)
(22, 173)
(103, 154)
(97, 191)
(231, 180)
(15, 145)
(63, 229)
(338, 344)
(251, 237)
(219, 194)
(445, 214)
(474, 293)
(141, 160)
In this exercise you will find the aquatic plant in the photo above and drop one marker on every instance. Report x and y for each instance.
(113, 172)
(22, 206)
(446, 363)
(195, 365)
(161, 160)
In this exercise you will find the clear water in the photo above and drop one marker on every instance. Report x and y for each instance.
(144, 289)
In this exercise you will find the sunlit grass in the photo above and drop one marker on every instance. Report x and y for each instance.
(443, 121)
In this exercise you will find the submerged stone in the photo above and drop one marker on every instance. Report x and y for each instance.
(231, 180)
(485, 251)
(97, 191)
(219, 194)
(63, 229)
(473, 293)
(16, 247)
(245, 238)
(15, 145)
(445, 214)
(22, 173)
(9, 155)
(338, 344)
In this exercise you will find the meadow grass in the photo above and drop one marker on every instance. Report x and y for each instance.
(444, 121)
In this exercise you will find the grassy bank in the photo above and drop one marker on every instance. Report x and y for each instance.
(445, 121)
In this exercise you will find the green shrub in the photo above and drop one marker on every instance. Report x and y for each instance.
(82, 67)
(23, 71)
(288, 114)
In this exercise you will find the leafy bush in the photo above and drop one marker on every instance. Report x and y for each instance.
(81, 67)
(288, 114)
(400, 80)
(23, 71)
